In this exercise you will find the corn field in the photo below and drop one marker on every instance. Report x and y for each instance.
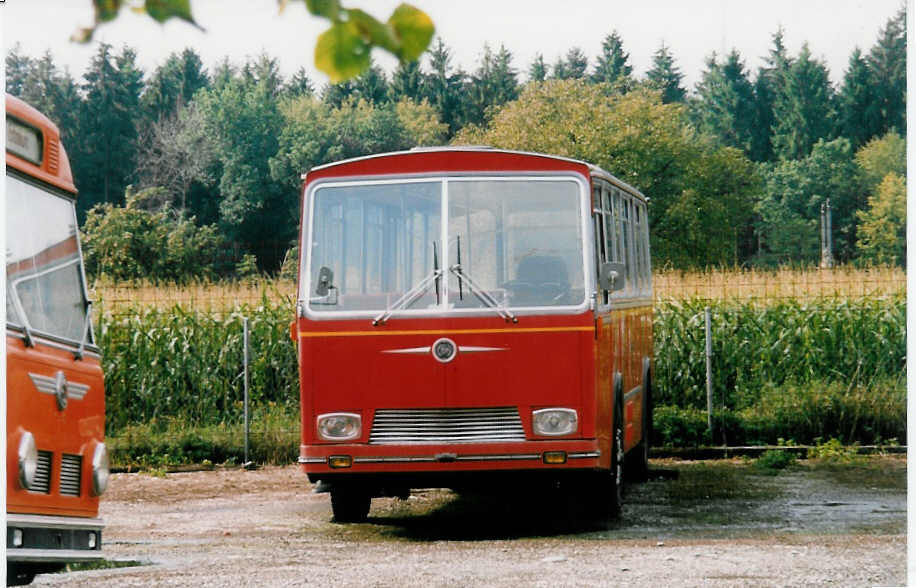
(782, 340)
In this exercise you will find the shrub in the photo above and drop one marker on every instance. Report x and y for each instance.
(774, 460)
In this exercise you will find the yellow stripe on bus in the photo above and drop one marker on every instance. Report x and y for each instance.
(443, 332)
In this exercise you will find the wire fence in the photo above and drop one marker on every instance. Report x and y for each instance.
(221, 298)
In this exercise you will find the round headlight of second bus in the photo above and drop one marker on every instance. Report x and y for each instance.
(339, 426)
(100, 469)
(554, 422)
(28, 460)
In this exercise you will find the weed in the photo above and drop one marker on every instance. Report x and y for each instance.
(773, 460)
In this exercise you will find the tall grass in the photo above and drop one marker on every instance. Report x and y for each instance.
(851, 341)
(175, 362)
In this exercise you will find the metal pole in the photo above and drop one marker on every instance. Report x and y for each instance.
(709, 371)
(245, 378)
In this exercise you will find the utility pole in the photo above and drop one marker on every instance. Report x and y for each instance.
(826, 235)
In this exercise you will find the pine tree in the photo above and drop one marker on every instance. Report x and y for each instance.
(572, 67)
(770, 78)
(108, 121)
(493, 84)
(887, 62)
(803, 108)
(612, 67)
(446, 88)
(666, 77)
(299, 85)
(17, 68)
(371, 85)
(407, 82)
(173, 84)
(725, 105)
(537, 71)
(857, 118)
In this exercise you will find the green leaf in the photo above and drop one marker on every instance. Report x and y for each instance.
(373, 31)
(326, 8)
(341, 52)
(162, 10)
(414, 28)
(106, 10)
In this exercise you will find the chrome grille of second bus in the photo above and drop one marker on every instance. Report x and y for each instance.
(449, 425)
(71, 467)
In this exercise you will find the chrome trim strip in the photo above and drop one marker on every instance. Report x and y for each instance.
(583, 455)
(312, 459)
(53, 522)
(410, 350)
(90, 349)
(476, 349)
(53, 555)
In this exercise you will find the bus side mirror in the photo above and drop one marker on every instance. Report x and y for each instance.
(611, 276)
(325, 281)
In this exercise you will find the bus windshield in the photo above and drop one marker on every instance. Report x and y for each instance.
(44, 282)
(472, 244)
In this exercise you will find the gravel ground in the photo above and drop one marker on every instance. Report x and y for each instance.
(718, 523)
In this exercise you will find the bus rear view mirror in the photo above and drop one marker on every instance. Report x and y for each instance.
(325, 281)
(612, 276)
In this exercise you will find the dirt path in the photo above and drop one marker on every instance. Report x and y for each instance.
(718, 524)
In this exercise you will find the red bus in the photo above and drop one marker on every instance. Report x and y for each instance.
(56, 460)
(472, 318)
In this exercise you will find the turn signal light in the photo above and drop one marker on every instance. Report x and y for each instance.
(340, 461)
(554, 457)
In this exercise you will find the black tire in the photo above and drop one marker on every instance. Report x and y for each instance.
(19, 574)
(349, 505)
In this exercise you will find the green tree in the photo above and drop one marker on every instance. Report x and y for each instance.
(880, 157)
(407, 82)
(493, 84)
(666, 77)
(146, 240)
(242, 120)
(421, 123)
(108, 138)
(725, 102)
(371, 85)
(803, 107)
(446, 87)
(770, 79)
(882, 230)
(537, 71)
(18, 67)
(571, 67)
(856, 102)
(647, 143)
(299, 85)
(612, 67)
(173, 84)
(887, 63)
(54, 93)
(789, 212)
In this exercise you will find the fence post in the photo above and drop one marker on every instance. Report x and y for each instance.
(709, 371)
(245, 378)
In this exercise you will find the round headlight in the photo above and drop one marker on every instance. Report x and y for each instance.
(554, 421)
(100, 469)
(339, 426)
(28, 460)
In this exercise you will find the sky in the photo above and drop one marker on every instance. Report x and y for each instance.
(692, 29)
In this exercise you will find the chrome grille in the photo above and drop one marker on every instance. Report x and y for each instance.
(449, 425)
(43, 473)
(71, 467)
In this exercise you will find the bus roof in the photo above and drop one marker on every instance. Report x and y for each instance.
(33, 145)
(460, 158)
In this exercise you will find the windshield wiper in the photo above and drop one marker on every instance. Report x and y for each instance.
(411, 295)
(78, 354)
(482, 294)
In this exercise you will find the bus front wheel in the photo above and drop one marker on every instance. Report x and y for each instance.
(349, 505)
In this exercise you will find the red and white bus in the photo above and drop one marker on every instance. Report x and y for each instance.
(472, 318)
(56, 460)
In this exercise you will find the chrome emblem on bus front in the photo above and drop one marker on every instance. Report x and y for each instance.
(445, 350)
(59, 387)
(441, 351)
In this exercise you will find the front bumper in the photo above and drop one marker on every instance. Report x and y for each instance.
(47, 539)
(580, 454)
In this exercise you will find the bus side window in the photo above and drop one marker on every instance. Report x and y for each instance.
(600, 238)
